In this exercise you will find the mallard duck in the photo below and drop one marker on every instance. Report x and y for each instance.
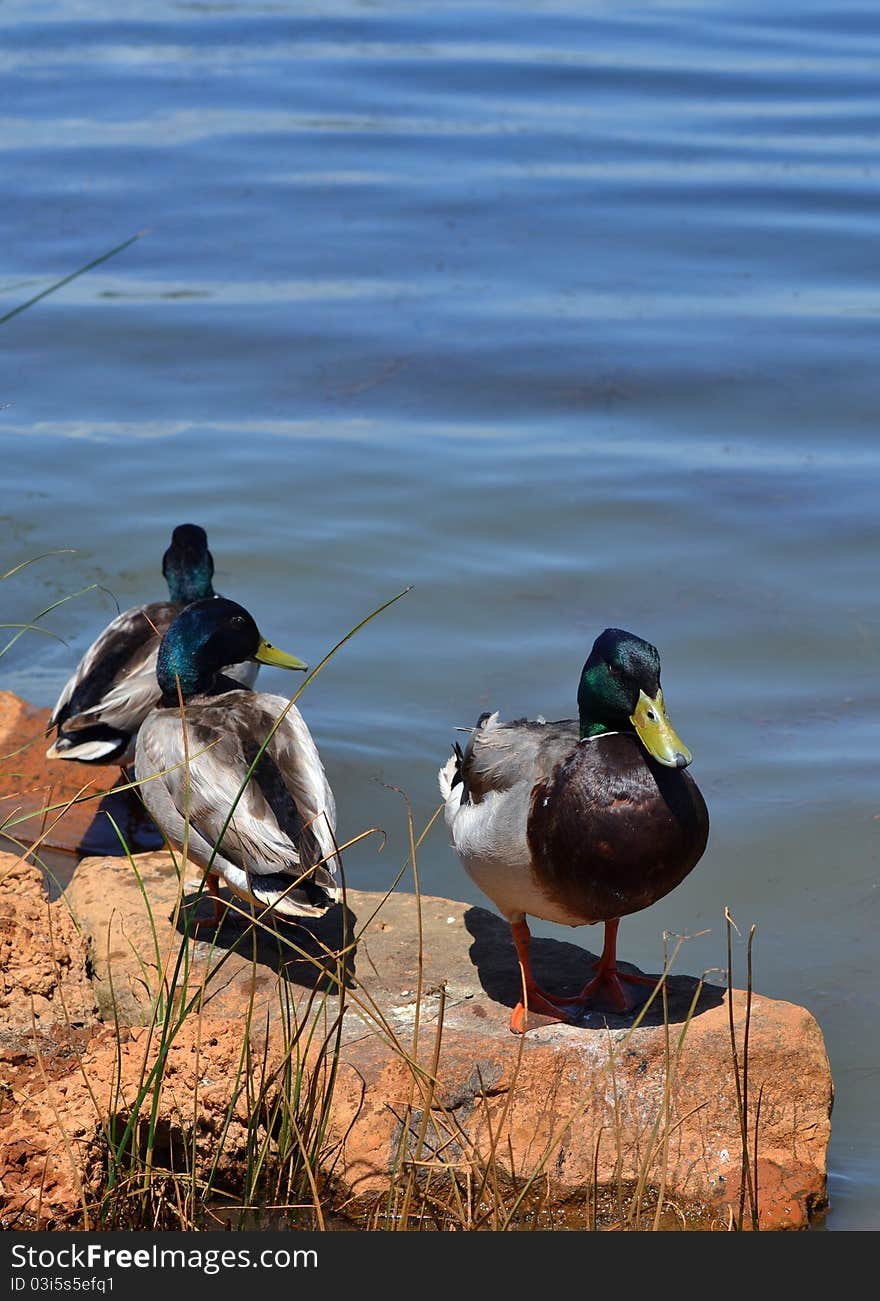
(582, 820)
(278, 850)
(113, 687)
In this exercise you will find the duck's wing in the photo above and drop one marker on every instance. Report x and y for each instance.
(283, 825)
(499, 756)
(113, 687)
(488, 788)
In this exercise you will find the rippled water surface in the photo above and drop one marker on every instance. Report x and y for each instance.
(565, 314)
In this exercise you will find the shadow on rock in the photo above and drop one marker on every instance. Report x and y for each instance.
(137, 829)
(86, 828)
(308, 952)
(564, 969)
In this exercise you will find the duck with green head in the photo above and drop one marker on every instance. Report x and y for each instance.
(111, 690)
(583, 820)
(278, 850)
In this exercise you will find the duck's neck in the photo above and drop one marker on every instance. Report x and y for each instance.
(589, 729)
(176, 662)
(190, 584)
(602, 706)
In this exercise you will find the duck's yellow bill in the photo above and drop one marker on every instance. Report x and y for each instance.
(269, 654)
(657, 734)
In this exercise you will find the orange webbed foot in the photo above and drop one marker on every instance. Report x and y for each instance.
(608, 985)
(539, 1003)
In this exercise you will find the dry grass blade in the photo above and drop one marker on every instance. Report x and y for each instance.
(748, 1179)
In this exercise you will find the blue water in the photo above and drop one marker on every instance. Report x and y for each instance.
(566, 315)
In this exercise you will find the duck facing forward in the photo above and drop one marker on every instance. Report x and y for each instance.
(112, 689)
(582, 820)
(278, 850)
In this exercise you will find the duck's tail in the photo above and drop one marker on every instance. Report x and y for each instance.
(91, 748)
(452, 772)
(306, 900)
(449, 775)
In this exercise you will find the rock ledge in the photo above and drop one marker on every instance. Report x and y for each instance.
(578, 1112)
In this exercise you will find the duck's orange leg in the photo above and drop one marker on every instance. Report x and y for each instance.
(607, 980)
(535, 997)
(212, 885)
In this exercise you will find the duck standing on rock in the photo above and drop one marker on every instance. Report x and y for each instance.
(582, 820)
(278, 850)
(113, 687)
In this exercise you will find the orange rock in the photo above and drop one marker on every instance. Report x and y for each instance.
(585, 1112)
(44, 790)
(43, 974)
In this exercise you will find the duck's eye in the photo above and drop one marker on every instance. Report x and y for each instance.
(237, 620)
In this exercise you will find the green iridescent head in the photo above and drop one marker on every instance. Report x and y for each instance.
(620, 691)
(188, 565)
(207, 637)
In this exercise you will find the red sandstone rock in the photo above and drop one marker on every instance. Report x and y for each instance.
(43, 976)
(603, 1102)
(44, 788)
